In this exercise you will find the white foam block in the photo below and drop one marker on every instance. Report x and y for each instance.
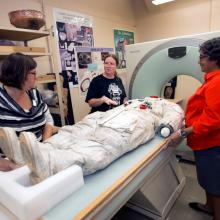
(28, 202)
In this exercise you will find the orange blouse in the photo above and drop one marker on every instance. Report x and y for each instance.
(203, 113)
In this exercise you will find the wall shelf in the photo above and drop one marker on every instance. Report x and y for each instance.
(54, 110)
(19, 34)
(46, 79)
(32, 54)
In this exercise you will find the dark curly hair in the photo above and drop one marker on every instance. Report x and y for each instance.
(211, 48)
(15, 68)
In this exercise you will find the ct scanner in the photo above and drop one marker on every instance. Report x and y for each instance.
(147, 179)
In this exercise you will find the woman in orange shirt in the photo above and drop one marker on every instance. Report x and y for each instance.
(203, 128)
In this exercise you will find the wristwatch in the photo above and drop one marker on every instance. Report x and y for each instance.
(183, 134)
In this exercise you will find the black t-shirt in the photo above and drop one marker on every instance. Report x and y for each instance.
(111, 88)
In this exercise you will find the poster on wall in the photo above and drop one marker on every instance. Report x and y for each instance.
(122, 38)
(72, 29)
(90, 63)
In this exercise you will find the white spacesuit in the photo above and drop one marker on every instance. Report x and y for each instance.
(99, 138)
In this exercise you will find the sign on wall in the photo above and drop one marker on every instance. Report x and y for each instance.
(90, 63)
(122, 38)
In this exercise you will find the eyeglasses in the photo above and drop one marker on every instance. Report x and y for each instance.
(32, 73)
(109, 63)
(202, 56)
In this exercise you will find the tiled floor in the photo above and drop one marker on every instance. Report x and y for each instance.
(180, 210)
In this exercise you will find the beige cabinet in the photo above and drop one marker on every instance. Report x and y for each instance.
(25, 35)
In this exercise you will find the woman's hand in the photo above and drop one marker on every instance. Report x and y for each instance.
(47, 131)
(174, 139)
(99, 101)
(125, 101)
(6, 165)
(108, 101)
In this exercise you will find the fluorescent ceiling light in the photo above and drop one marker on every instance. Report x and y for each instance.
(158, 2)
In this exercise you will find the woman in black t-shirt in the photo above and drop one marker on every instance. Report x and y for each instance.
(106, 90)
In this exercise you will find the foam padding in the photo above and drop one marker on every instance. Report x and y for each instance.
(28, 202)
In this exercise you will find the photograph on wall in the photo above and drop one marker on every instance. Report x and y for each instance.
(71, 29)
(122, 38)
(90, 63)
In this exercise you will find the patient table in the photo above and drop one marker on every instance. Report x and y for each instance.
(149, 176)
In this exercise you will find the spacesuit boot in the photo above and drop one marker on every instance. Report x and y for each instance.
(10, 145)
(35, 157)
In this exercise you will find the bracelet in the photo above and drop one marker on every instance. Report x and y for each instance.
(182, 133)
